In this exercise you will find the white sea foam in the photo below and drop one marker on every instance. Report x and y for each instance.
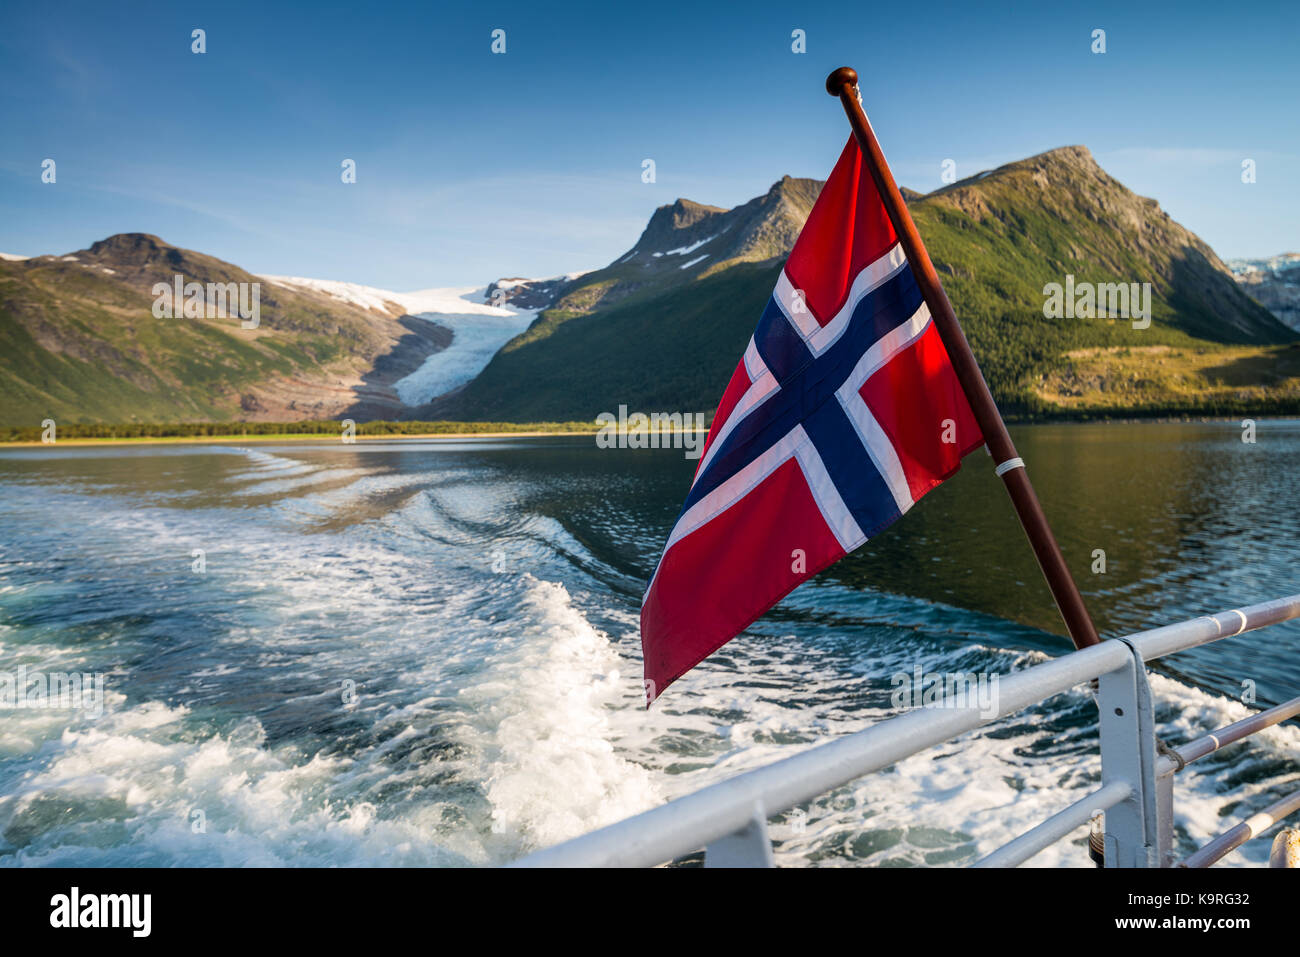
(513, 693)
(539, 715)
(498, 702)
(297, 481)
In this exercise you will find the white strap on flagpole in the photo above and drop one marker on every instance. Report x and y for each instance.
(1008, 465)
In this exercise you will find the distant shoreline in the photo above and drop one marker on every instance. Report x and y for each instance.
(238, 438)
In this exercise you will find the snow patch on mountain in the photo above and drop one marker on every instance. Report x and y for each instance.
(459, 300)
(479, 330)
(567, 277)
(683, 250)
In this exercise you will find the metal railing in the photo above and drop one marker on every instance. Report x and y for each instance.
(729, 819)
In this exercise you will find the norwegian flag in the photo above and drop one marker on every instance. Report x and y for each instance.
(843, 412)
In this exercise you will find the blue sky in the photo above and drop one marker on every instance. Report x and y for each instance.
(472, 166)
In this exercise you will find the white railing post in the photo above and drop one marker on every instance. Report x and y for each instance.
(1128, 754)
(1165, 819)
(748, 847)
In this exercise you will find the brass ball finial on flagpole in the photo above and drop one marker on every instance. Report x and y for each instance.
(844, 76)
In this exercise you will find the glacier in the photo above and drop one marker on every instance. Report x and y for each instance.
(479, 329)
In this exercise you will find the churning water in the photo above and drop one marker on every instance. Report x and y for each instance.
(426, 653)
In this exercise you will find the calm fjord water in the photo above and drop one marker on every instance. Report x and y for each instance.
(427, 653)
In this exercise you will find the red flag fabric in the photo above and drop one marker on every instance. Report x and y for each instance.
(842, 413)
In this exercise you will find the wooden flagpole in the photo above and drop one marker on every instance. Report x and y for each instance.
(1009, 466)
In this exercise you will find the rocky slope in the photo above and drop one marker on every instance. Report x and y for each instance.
(79, 342)
(687, 241)
(1274, 283)
(663, 326)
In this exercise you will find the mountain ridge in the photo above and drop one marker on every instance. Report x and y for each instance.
(698, 239)
(82, 343)
(997, 238)
(661, 326)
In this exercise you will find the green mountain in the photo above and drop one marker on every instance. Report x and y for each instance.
(664, 325)
(79, 342)
(687, 241)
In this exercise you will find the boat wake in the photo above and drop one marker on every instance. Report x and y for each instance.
(417, 664)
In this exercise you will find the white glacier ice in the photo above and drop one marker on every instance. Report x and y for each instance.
(476, 339)
(478, 329)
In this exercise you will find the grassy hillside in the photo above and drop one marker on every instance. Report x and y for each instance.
(674, 352)
(79, 343)
(320, 429)
(74, 351)
(1159, 380)
(997, 240)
